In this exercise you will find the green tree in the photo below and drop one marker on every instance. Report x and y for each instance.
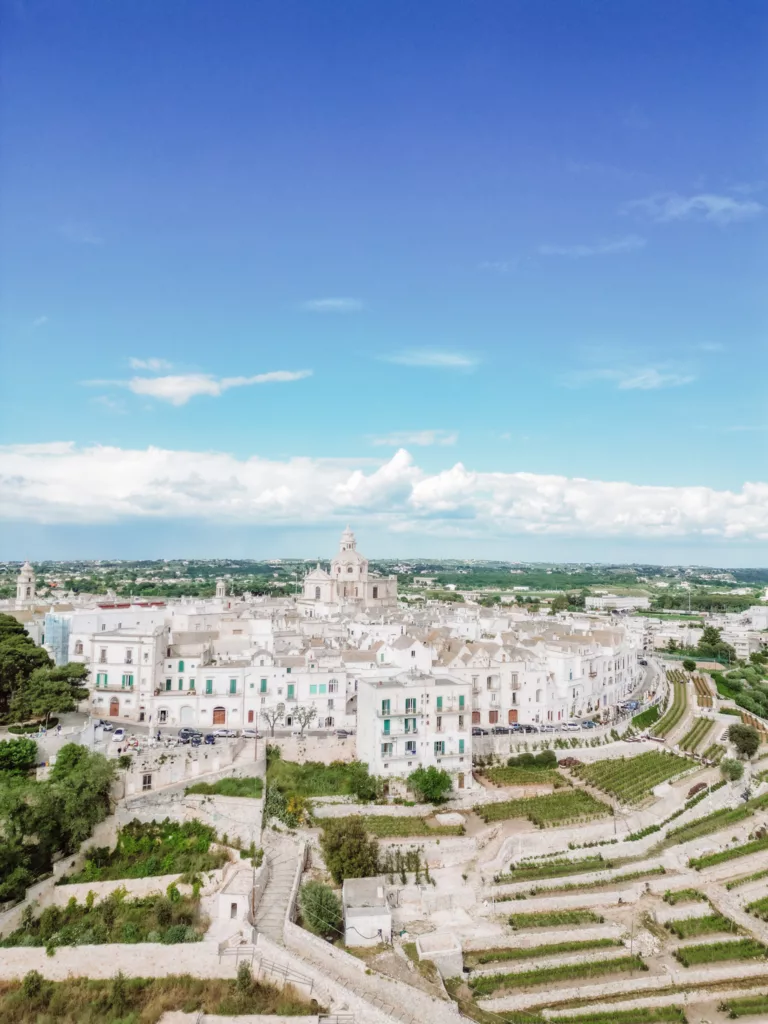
(46, 692)
(320, 909)
(558, 604)
(671, 644)
(348, 850)
(689, 665)
(731, 769)
(432, 785)
(745, 739)
(17, 756)
(19, 658)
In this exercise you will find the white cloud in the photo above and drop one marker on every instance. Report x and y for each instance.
(627, 244)
(334, 305)
(500, 266)
(433, 358)
(420, 438)
(639, 378)
(179, 388)
(61, 483)
(149, 364)
(39, 321)
(718, 209)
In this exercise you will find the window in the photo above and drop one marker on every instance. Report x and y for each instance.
(349, 568)
(181, 684)
(386, 749)
(461, 721)
(475, 718)
(101, 678)
(439, 704)
(489, 682)
(461, 746)
(312, 689)
(291, 691)
(127, 681)
(317, 593)
(262, 686)
(79, 647)
(129, 656)
(250, 716)
(322, 687)
(146, 655)
(410, 704)
(493, 717)
(386, 727)
(146, 782)
(329, 723)
(233, 910)
(209, 686)
(191, 684)
(410, 725)
(461, 702)
(333, 686)
(410, 747)
(439, 723)
(330, 704)
(288, 670)
(413, 654)
(233, 686)
(168, 683)
(181, 666)
(375, 593)
(439, 747)
(103, 655)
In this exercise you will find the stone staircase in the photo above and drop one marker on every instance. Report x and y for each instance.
(283, 856)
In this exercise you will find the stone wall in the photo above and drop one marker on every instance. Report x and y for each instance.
(346, 810)
(323, 748)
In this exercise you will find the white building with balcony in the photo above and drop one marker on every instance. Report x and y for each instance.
(414, 720)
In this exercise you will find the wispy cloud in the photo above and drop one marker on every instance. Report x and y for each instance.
(111, 404)
(746, 428)
(39, 321)
(629, 243)
(637, 378)
(75, 231)
(706, 206)
(343, 305)
(179, 388)
(149, 364)
(433, 359)
(500, 266)
(422, 438)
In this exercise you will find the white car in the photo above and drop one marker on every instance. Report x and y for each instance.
(250, 734)
(224, 732)
(118, 735)
(571, 726)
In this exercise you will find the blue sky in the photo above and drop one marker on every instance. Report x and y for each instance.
(527, 240)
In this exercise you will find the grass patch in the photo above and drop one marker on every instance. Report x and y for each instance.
(631, 779)
(529, 776)
(250, 787)
(679, 702)
(746, 1006)
(713, 822)
(139, 1000)
(633, 876)
(696, 734)
(641, 1015)
(157, 848)
(759, 908)
(426, 968)
(554, 918)
(527, 871)
(489, 984)
(689, 927)
(489, 956)
(714, 952)
(316, 779)
(387, 826)
(744, 850)
(563, 808)
(646, 718)
(116, 919)
(754, 877)
(684, 896)
(714, 753)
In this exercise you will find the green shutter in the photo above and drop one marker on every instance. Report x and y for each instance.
(386, 727)
(385, 707)
(290, 691)
(263, 686)
(461, 746)
(168, 684)
(233, 686)
(439, 703)
(209, 686)
(191, 684)
(181, 684)
(461, 702)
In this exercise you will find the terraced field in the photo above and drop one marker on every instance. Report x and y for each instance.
(697, 734)
(679, 703)
(631, 780)
(561, 808)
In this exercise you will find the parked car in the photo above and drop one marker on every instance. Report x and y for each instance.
(118, 735)
(196, 740)
(224, 732)
(571, 726)
(643, 661)
(534, 728)
(477, 731)
(546, 728)
(343, 733)
(210, 738)
(186, 734)
(589, 724)
(250, 734)
(501, 730)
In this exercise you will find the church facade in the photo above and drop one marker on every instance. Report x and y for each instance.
(349, 585)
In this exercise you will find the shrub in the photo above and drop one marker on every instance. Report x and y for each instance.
(348, 850)
(731, 769)
(320, 909)
(432, 785)
(745, 738)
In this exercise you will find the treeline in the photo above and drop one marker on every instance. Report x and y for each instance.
(41, 820)
(703, 602)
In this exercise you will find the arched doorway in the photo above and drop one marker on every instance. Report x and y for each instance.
(187, 715)
(219, 716)
(114, 707)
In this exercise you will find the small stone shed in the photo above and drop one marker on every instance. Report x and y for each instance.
(367, 917)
